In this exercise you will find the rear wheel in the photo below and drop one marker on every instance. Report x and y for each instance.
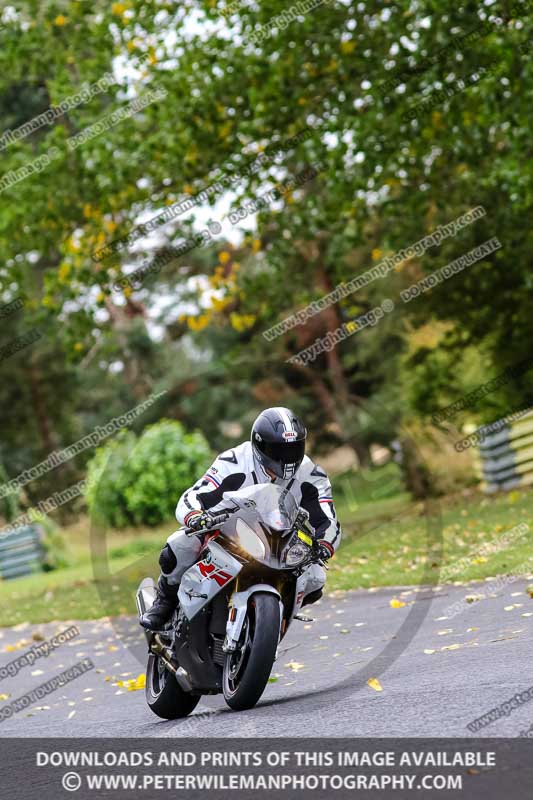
(164, 695)
(246, 671)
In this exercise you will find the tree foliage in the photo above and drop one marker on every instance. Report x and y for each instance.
(355, 89)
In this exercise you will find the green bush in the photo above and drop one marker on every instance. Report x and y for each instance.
(9, 505)
(134, 481)
(53, 542)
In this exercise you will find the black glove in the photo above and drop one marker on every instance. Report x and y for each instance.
(197, 520)
(325, 550)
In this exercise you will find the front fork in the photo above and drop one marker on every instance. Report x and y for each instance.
(238, 610)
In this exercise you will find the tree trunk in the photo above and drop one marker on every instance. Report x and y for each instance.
(327, 402)
(416, 474)
(41, 413)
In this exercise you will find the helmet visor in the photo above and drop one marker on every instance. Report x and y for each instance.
(283, 452)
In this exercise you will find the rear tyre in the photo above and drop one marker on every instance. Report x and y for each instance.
(246, 671)
(164, 695)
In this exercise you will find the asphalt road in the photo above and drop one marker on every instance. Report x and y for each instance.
(436, 673)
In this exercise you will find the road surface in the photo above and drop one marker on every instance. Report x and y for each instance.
(436, 673)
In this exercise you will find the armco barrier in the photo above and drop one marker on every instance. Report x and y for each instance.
(506, 456)
(21, 552)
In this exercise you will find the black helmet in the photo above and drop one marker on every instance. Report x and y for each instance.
(278, 441)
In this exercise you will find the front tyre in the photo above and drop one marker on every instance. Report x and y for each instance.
(164, 695)
(246, 671)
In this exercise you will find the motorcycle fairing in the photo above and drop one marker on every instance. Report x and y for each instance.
(204, 580)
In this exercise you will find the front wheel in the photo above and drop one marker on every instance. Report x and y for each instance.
(164, 695)
(246, 671)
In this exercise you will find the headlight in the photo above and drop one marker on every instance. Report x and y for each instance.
(249, 540)
(296, 554)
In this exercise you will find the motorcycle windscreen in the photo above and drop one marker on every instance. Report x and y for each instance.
(274, 506)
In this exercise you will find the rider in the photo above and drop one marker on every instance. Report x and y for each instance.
(274, 454)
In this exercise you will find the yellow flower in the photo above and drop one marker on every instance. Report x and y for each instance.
(192, 154)
(256, 245)
(376, 254)
(127, 291)
(100, 297)
(118, 9)
(198, 323)
(348, 47)
(224, 257)
(225, 131)
(241, 322)
(60, 20)
(302, 101)
(64, 272)
(78, 346)
(220, 304)
(72, 246)
(110, 225)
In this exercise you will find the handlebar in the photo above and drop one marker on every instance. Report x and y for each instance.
(216, 520)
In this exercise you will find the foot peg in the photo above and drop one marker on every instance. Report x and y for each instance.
(303, 618)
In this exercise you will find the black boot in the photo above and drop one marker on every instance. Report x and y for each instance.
(164, 604)
(312, 597)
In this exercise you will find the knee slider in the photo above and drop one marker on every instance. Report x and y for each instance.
(167, 560)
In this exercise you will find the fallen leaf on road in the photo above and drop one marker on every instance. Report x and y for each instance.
(395, 603)
(4, 696)
(375, 684)
(294, 665)
(429, 652)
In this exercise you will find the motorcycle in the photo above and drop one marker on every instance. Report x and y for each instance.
(236, 603)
